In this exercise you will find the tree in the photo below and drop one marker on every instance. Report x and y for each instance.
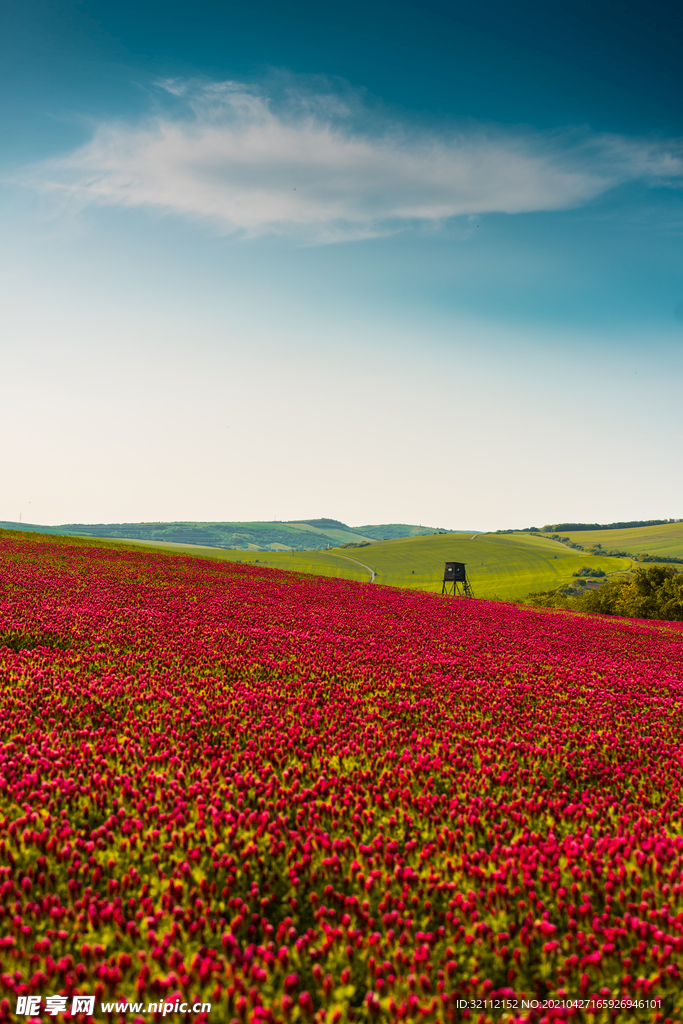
(654, 593)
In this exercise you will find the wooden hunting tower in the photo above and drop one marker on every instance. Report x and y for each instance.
(455, 578)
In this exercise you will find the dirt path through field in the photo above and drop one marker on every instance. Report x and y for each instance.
(371, 571)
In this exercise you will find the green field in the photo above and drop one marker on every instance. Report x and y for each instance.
(508, 566)
(652, 540)
(501, 566)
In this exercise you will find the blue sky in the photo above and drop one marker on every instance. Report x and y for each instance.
(413, 262)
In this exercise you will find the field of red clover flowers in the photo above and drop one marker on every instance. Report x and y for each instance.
(305, 799)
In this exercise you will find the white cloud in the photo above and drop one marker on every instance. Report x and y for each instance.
(226, 154)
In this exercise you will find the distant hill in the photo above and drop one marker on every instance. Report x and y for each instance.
(392, 531)
(299, 535)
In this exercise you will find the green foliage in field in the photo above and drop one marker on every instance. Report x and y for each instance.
(654, 593)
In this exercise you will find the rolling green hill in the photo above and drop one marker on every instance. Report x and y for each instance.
(506, 567)
(392, 531)
(663, 540)
(303, 535)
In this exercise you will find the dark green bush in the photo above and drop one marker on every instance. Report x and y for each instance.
(654, 593)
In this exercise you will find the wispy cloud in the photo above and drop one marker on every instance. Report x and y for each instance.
(313, 168)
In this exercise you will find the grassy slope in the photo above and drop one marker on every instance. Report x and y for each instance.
(506, 566)
(652, 540)
(512, 565)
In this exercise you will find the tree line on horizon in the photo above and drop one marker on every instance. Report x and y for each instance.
(574, 527)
